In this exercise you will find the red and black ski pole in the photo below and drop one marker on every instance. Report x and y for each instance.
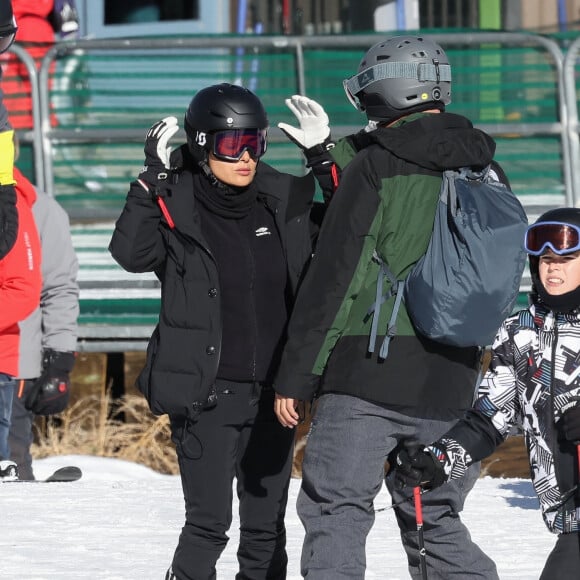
(421, 540)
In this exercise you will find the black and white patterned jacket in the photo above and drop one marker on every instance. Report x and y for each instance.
(534, 376)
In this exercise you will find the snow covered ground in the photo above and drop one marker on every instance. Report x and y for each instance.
(121, 522)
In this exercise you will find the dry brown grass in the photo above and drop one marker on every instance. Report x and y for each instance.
(126, 429)
(97, 425)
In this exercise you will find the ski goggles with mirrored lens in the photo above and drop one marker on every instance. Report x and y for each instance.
(352, 99)
(559, 237)
(230, 145)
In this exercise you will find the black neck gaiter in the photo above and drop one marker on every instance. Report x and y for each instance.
(224, 200)
(560, 304)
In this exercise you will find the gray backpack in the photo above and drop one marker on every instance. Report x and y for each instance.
(468, 280)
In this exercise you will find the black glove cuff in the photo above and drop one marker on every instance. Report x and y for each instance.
(321, 148)
(61, 360)
(154, 175)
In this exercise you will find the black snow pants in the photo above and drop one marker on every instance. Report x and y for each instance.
(563, 563)
(238, 438)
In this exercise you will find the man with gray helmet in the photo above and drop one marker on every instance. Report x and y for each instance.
(367, 406)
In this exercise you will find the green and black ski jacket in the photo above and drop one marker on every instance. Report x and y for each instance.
(385, 203)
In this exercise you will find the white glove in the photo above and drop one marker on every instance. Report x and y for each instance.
(158, 136)
(314, 129)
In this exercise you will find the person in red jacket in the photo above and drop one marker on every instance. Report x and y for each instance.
(36, 34)
(20, 284)
(40, 24)
(48, 337)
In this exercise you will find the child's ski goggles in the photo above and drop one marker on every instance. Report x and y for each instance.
(559, 237)
(230, 145)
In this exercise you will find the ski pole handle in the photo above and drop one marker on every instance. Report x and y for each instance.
(420, 539)
(418, 506)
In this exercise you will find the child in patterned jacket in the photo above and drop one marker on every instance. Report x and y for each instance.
(533, 381)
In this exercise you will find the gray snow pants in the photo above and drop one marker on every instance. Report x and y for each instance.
(342, 473)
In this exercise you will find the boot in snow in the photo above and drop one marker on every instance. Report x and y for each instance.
(8, 470)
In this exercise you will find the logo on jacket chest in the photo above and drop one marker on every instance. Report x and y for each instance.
(263, 231)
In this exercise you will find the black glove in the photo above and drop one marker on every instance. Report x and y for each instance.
(320, 153)
(419, 466)
(157, 152)
(50, 393)
(64, 19)
(570, 424)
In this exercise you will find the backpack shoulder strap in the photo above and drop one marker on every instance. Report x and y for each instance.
(396, 289)
(448, 193)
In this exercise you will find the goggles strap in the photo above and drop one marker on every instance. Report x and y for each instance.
(421, 71)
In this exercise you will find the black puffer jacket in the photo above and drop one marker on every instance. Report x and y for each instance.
(183, 353)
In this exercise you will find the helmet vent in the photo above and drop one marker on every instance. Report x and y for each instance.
(419, 54)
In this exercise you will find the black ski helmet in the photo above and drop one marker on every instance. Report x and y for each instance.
(219, 108)
(8, 26)
(401, 75)
(565, 215)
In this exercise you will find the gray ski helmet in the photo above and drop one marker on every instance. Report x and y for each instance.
(219, 108)
(400, 75)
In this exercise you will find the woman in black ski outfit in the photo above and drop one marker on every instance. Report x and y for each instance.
(229, 237)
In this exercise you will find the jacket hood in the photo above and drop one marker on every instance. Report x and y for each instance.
(437, 141)
(24, 188)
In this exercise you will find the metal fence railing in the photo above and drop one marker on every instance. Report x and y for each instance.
(96, 98)
(92, 102)
(570, 76)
